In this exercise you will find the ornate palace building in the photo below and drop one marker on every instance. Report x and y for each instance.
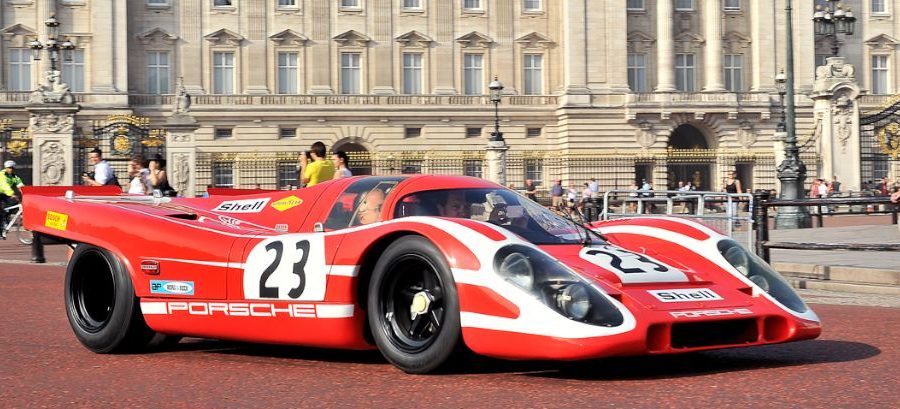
(665, 90)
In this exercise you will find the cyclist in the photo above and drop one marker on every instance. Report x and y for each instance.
(10, 191)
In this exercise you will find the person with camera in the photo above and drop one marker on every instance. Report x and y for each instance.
(314, 167)
(102, 174)
(10, 191)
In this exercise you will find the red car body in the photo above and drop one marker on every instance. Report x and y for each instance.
(226, 267)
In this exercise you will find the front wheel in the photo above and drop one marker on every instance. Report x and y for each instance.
(24, 236)
(413, 306)
(103, 311)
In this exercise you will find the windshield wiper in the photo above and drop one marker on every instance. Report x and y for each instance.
(586, 241)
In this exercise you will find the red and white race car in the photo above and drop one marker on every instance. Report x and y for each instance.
(417, 266)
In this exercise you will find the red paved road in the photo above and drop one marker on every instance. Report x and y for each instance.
(853, 365)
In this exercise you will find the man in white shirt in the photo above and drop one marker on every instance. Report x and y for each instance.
(102, 171)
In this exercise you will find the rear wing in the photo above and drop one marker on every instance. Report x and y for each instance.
(106, 190)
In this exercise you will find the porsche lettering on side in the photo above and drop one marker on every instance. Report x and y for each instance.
(415, 266)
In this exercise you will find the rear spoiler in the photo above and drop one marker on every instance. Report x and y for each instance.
(106, 190)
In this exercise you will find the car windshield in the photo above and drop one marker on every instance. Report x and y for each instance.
(501, 207)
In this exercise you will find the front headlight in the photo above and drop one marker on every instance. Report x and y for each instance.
(555, 285)
(760, 273)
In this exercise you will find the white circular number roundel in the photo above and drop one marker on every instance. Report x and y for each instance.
(288, 267)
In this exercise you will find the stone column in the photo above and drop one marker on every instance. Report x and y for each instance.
(381, 56)
(442, 72)
(318, 57)
(496, 161)
(255, 19)
(574, 54)
(181, 154)
(190, 51)
(712, 23)
(665, 47)
(52, 127)
(835, 106)
(762, 45)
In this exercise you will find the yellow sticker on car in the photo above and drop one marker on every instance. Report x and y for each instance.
(287, 203)
(57, 221)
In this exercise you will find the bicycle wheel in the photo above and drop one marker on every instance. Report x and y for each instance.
(24, 236)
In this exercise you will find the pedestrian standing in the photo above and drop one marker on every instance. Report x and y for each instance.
(556, 193)
(341, 164)
(314, 167)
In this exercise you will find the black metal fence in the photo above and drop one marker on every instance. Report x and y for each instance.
(855, 205)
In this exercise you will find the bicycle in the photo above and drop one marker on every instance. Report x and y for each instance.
(13, 223)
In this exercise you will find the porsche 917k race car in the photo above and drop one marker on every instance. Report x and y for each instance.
(418, 267)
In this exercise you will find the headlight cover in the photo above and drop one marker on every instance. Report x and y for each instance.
(556, 286)
(760, 273)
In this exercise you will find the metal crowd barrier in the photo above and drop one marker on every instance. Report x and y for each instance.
(720, 210)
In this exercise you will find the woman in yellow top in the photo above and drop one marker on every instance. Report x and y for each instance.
(314, 167)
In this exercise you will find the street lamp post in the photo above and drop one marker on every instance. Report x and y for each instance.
(496, 87)
(55, 91)
(792, 171)
(833, 20)
(496, 147)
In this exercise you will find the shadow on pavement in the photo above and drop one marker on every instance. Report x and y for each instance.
(628, 368)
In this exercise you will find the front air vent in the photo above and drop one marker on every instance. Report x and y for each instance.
(714, 333)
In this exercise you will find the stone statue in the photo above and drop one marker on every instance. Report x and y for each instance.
(182, 101)
(53, 92)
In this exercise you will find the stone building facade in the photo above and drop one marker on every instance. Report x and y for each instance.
(616, 89)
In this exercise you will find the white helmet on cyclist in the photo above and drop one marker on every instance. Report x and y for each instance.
(9, 164)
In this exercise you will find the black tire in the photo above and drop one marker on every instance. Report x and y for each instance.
(100, 303)
(412, 267)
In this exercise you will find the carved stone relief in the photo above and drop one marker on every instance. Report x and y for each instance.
(53, 163)
(842, 119)
(181, 172)
(644, 135)
(746, 136)
(52, 123)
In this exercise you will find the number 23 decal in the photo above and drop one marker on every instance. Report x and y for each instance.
(632, 267)
(289, 267)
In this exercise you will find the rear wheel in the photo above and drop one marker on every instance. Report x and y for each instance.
(413, 306)
(100, 303)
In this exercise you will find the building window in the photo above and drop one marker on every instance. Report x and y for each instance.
(287, 175)
(19, 69)
(223, 3)
(412, 73)
(287, 4)
(534, 170)
(73, 71)
(533, 132)
(412, 4)
(412, 132)
(879, 7)
(222, 174)
(223, 73)
(637, 72)
(287, 133)
(734, 72)
(684, 5)
(533, 74)
(287, 73)
(531, 5)
(473, 132)
(473, 78)
(471, 4)
(223, 133)
(349, 4)
(158, 72)
(684, 72)
(472, 167)
(635, 5)
(879, 74)
(732, 5)
(350, 73)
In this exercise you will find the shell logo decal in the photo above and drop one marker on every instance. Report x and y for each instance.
(289, 202)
